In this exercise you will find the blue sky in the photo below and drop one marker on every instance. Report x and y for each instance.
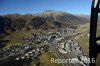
(36, 6)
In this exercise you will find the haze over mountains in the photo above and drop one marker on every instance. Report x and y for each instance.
(43, 20)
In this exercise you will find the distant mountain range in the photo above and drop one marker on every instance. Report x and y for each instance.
(44, 20)
(60, 16)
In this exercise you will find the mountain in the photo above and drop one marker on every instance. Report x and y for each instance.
(48, 19)
(15, 22)
(59, 16)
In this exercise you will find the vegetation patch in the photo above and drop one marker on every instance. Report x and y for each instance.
(45, 60)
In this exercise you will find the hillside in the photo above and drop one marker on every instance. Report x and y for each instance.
(60, 16)
(48, 19)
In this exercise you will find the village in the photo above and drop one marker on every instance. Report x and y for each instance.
(63, 39)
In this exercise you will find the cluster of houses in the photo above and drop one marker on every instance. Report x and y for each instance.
(67, 46)
(27, 52)
(49, 35)
(20, 54)
(14, 50)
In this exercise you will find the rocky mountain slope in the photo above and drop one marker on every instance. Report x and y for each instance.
(60, 16)
(48, 19)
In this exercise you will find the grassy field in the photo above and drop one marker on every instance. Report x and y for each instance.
(98, 32)
(15, 38)
(69, 55)
(98, 60)
(84, 44)
(82, 28)
(83, 40)
(45, 59)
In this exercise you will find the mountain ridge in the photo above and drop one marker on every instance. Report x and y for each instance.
(44, 20)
